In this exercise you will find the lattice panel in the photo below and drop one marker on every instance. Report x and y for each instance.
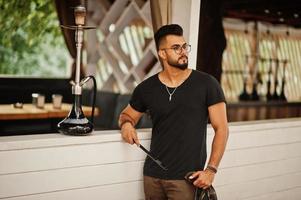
(121, 52)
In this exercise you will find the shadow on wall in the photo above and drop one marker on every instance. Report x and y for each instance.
(110, 105)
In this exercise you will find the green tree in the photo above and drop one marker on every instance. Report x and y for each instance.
(31, 42)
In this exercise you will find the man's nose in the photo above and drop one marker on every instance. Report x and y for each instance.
(184, 51)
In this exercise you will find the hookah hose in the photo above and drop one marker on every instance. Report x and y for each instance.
(94, 95)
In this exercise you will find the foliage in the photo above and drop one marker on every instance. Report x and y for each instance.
(30, 37)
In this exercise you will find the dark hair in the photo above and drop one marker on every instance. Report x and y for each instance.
(170, 29)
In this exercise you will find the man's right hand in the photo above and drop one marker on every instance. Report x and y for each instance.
(129, 134)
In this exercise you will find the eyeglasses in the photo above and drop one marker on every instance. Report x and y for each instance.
(178, 48)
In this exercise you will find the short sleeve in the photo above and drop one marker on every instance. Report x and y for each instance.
(136, 100)
(215, 93)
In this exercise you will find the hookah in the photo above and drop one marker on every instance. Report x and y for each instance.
(254, 94)
(254, 55)
(282, 96)
(244, 96)
(276, 82)
(76, 123)
(269, 95)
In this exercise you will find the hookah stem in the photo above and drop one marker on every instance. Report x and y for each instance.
(283, 76)
(269, 78)
(79, 39)
(262, 61)
(254, 92)
(237, 82)
(245, 73)
(283, 79)
(245, 78)
(256, 56)
(244, 94)
(77, 94)
(276, 77)
(284, 68)
(256, 78)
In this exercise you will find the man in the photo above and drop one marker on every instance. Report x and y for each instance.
(179, 101)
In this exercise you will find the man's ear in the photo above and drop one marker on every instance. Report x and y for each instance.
(162, 54)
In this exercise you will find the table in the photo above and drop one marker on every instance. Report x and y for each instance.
(29, 111)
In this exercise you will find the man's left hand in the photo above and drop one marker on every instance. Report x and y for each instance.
(204, 178)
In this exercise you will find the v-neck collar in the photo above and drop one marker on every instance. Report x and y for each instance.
(190, 75)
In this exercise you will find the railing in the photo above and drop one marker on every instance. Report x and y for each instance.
(262, 161)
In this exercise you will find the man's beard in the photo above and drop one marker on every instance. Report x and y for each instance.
(176, 64)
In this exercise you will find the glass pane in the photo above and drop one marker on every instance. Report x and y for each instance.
(32, 44)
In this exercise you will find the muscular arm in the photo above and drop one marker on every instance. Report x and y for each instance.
(218, 118)
(128, 118)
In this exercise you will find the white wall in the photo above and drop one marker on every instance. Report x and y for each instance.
(186, 13)
(262, 162)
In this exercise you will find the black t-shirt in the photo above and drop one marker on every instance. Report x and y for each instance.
(180, 125)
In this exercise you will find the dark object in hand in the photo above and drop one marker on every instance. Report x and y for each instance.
(157, 161)
(200, 193)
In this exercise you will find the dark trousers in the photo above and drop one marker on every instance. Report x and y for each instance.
(159, 189)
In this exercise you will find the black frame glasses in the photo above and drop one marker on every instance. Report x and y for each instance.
(178, 48)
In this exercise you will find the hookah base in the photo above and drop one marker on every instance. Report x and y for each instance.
(75, 129)
(244, 96)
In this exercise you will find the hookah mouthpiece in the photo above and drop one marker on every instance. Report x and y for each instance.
(158, 162)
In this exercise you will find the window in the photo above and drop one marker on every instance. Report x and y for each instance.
(31, 42)
(275, 59)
